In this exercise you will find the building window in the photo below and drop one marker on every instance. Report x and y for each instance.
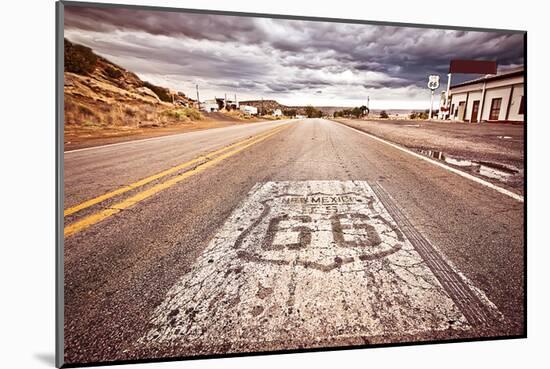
(522, 106)
(495, 108)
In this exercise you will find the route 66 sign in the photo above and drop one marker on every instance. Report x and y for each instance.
(433, 82)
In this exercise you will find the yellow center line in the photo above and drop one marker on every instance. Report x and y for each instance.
(144, 181)
(116, 208)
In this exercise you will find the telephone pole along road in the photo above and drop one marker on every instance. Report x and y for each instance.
(280, 235)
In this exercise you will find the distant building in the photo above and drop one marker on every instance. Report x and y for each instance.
(247, 109)
(228, 104)
(209, 106)
(300, 116)
(493, 98)
(277, 113)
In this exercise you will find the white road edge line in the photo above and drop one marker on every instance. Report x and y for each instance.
(160, 137)
(503, 191)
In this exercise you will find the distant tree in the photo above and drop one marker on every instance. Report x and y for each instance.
(364, 110)
(356, 112)
(289, 112)
(311, 112)
(383, 114)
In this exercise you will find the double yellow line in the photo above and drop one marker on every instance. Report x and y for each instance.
(201, 163)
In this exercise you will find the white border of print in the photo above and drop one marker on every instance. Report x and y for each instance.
(28, 163)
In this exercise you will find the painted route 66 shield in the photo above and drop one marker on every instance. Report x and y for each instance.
(302, 259)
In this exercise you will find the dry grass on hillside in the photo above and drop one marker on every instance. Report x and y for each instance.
(103, 100)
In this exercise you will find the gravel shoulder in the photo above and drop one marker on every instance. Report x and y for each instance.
(494, 152)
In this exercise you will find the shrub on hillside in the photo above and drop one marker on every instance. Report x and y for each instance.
(161, 92)
(79, 59)
(193, 114)
(113, 72)
(131, 112)
(183, 114)
(383, 114)
(84, 110)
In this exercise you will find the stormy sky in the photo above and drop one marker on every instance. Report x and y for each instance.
(294, 62)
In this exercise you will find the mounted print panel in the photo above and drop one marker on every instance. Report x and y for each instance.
(237, 184)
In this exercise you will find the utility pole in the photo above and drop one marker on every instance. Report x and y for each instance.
(368, 103)
(225, 102)
(198, 99)
(447, 100)
(433, 84)
(262, 112)
(431, 106)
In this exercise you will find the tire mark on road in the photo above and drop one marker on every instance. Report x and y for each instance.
(474, 309)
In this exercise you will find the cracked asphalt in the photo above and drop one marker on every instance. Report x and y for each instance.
(317, 236)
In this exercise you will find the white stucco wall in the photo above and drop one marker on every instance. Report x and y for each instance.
(456, 99)
(509, 89)
(516, 101)
(504, 94)
(473, 96)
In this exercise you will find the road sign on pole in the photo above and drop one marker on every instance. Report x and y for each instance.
(433, 84)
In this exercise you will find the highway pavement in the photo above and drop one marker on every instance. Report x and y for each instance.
(281, 235)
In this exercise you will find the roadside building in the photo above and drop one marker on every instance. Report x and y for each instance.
(247, 109)
(209, 106)
(228, 104)
(193, 103)
(277, 113)
(493, 98)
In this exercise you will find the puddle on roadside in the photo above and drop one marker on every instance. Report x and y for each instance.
(496, 171)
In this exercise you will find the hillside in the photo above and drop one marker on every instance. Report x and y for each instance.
(99, 93)
(104, 100)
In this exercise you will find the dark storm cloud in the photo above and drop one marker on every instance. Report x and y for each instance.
(197, 26)
(283, 56)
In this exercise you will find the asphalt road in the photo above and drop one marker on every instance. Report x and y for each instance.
(92, 171)
(312, 235)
